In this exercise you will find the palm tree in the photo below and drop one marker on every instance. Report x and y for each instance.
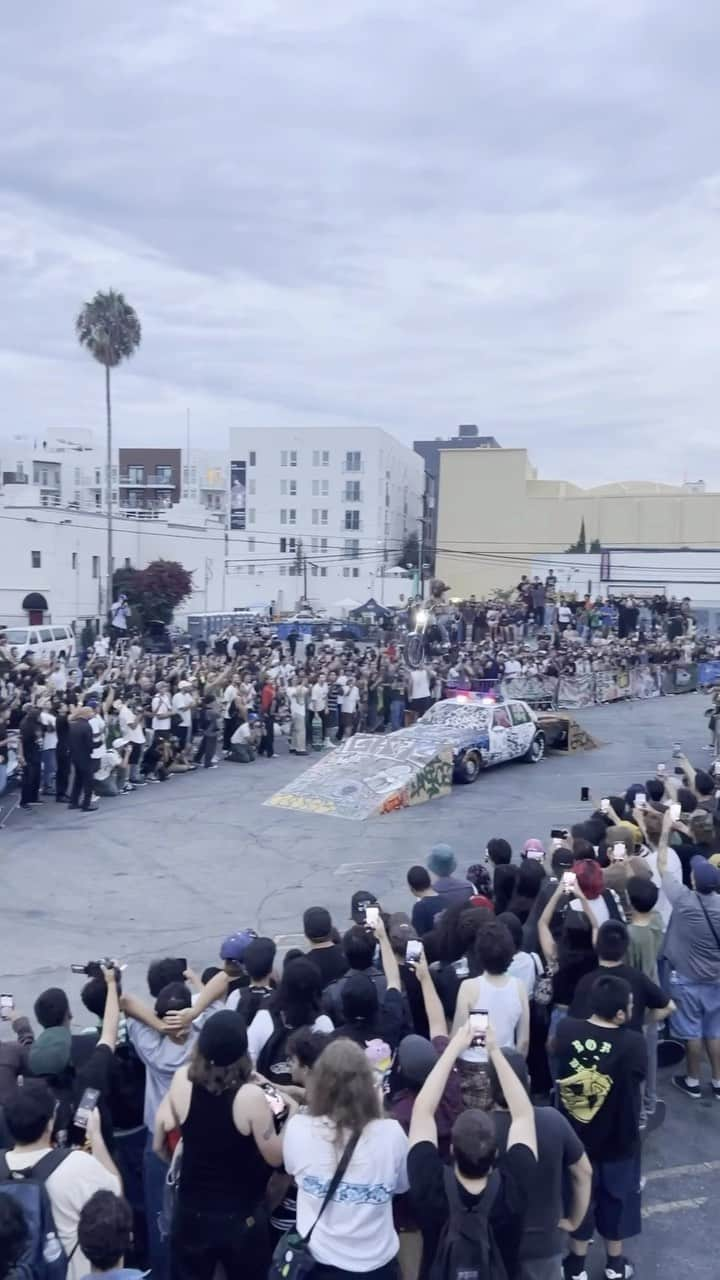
(109, 329)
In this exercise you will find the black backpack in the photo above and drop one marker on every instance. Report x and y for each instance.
(467, 1249)
(273, 1059)
(44, 1257)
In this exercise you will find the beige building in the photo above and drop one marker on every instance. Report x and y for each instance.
(494, 515)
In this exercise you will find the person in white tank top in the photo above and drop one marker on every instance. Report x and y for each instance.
(503, 996)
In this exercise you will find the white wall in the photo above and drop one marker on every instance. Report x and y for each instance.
(676, 573)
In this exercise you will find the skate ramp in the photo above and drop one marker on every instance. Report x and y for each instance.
(370, 775)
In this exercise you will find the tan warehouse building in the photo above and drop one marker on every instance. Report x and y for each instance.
(494, 515)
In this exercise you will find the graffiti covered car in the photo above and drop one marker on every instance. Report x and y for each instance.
(483, 732)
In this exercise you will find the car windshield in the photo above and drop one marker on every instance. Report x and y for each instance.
(458, 713)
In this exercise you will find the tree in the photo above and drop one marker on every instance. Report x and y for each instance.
(409, 556)
(154, 592)
(595, 547)
(109, 329)
(581, 544)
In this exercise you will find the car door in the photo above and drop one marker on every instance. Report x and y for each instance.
(499, 734)
(523, 729)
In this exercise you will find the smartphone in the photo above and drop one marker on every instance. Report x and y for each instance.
(677, 750)
(276, 1102)
(88, 1103)
(679, 771)
(479, 1025)
(569, 881)
(584, 794)
(413, 951)
(7, 1004)
(372, 915)
(605, 805)
(640, 800)
(675, 811)
(619, 852)
(661, 769)
(559, 833)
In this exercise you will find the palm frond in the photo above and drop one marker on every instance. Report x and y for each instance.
(109, 328)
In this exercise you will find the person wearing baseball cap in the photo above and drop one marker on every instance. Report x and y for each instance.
(232, 952)
(441, 863)
(325, 952)
(182, 705)
(692, 948)
(229, 1140)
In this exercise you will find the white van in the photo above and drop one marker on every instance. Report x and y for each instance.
(41, 641)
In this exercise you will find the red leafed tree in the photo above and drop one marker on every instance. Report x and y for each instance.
(156, 590)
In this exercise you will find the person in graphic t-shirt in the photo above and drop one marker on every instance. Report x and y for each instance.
(602, 1064)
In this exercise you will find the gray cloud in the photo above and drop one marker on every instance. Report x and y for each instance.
(372, 212)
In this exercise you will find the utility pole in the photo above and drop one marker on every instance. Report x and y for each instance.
(421, 549)
(224, 568)
(104, 616)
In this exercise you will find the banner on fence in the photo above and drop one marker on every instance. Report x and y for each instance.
(539, 690)
(682, 678)
(611, 686)
(576, 691)
(644, 682)
(709, 672)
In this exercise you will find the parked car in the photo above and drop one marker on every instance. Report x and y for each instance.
(41, 641)
(483, 732)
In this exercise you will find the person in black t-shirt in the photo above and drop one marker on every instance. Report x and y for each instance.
(507, 1183)
(429, 903)
(611, 947)
(602, 1063)
(326, 954)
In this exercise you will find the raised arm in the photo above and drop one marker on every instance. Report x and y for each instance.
(134, 1008)
(547, 942)
(391, 967)
(422, 1124)
(216, 990)
(522, 1127)
(437, 1022)
(111, 1017)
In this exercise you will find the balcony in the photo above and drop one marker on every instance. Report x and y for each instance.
(150, 482)
(351, 495)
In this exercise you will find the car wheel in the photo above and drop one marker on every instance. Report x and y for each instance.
(468, 767)
(536, 750)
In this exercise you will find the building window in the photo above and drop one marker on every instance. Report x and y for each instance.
(352, 490)
(251, 487)
(316, 488)
(74, 560)
(283, 488)
(97, 476)
(325, 488)
(325, 458)
(314, 545)
(283, 457)
(251, 544)
(293, 488)
(292, 545)
(352, 519)
(356, 573)
(352, 460)
(323, 544)
(315, 516)
(96, 567)
(346, 572)
(128, 565)
(314, 570)
(251, 568)
(283, 570)
(251, 515)
(283, 545)
(292, 513)
(251, 458)
(293, 458)
(35, 559)
(136, 475)
(163, 475)
(324, 516)
(352, 548)
(316, 457)
(323, 573)
(283, 515)
(97, 499)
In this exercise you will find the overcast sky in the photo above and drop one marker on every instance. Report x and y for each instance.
(372, 212)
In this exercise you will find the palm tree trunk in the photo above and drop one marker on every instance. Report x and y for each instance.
(108, 481)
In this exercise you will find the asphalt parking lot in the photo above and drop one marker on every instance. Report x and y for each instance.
(173, 868)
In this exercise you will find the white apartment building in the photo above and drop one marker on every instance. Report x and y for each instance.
(330, 506)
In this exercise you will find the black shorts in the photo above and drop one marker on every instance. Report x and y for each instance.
(614, 1201)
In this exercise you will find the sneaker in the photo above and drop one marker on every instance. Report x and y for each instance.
(92, 808)
(568, 1263)
(152, 779)
(619, 1269)
(212, 766)
(36, 803)
(128, 787)
(27, 807)
(692, 1091)
(716, 1091)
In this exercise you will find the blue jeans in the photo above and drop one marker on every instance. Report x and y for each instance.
(397, 713)
(155, 1173)
(48, 769)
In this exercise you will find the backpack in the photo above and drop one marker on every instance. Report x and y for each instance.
(44, 1257)
(272, 1062)
(467, 1249)
(543, 993)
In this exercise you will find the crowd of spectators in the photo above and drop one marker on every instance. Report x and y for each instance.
(461, 1087)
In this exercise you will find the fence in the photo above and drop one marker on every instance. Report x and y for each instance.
(569, 692)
